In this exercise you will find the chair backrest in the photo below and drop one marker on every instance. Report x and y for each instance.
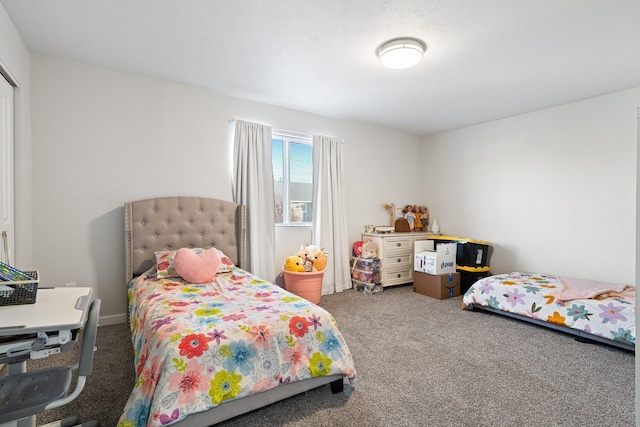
(89, 339)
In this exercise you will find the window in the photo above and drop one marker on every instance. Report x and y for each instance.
(292, 157)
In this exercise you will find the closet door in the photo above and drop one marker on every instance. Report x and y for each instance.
(6, 172)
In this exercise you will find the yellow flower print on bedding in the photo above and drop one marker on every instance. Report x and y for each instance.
(319, 365)
(556, 318)
(205, 312)
(224, 386)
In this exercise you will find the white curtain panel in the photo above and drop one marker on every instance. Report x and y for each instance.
(330, 212)
(253, 187)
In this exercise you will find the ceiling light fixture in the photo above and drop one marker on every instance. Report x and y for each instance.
(401, 53)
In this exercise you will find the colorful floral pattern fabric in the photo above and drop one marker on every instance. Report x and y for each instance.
(535, 296)
(197, 346)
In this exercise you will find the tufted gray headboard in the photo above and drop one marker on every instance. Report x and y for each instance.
(170, 223)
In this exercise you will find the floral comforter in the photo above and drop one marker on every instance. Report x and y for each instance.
(537, 296)
(197, 346)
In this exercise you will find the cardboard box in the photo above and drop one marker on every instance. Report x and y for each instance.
(442, 260)
(437, 285)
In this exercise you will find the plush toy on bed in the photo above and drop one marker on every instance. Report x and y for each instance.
(293, 263)
(197, 268)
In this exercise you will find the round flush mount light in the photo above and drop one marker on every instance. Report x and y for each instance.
(401, 53)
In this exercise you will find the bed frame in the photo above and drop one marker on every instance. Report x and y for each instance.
(170, 223)
(580, 336)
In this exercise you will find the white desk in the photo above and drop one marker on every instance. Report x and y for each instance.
(49, 326)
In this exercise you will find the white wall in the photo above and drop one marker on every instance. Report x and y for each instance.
(553, 190)
(102, 138)
(14, 59)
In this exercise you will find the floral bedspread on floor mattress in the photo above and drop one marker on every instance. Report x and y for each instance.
(538, 296)
(197, 346)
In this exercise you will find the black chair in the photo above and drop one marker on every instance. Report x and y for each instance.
(30, 393)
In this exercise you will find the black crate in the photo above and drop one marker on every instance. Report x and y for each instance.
(469, 252)
(22, 292)
(470, 275)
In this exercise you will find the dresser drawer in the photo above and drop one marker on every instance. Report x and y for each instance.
(398, 244)
(391, 261)
(397, 276)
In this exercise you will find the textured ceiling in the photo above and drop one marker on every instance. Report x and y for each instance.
(485, 59)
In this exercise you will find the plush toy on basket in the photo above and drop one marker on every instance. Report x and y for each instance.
(311, 257)
(293, 263)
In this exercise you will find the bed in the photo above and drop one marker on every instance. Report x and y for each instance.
(208, 352)
(590, 310)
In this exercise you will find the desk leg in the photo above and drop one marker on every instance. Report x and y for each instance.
(17, 368)
(27, 422)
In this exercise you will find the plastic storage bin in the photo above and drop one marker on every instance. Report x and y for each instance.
(470, 275)
(367, 288)
(365, 276)
(366, 264)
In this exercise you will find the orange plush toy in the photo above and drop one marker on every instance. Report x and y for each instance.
(320, 262)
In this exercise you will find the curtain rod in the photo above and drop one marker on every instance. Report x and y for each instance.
(286, 132)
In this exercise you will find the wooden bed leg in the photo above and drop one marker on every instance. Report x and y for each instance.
(337, 386)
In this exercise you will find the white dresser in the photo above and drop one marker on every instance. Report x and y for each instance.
(395, 251)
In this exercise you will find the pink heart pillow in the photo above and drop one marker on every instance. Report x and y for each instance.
(197, 268)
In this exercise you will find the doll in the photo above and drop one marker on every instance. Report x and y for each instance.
(409, 216)
(424, 217)
(418, 214)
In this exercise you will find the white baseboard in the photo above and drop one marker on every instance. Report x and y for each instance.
(112, 320)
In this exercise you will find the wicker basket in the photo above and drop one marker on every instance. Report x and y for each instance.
(23, 291)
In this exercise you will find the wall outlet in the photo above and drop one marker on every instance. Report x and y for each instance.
(70, 285)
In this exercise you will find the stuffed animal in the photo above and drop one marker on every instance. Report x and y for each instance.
(320, 263)
(293, 263)
(305, 254)
(314, 256)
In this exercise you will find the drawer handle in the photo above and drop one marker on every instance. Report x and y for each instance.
(399, 260)
(398, 275)
(398, 244)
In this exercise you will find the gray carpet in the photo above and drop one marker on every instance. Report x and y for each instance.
(420, 362)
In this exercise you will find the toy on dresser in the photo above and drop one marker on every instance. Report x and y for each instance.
(424, 218)
(417, 216)
(410, 216)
